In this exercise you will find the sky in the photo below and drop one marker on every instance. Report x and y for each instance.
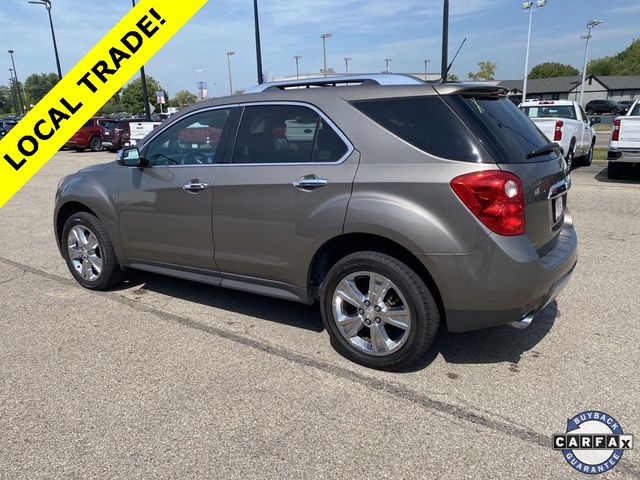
(368, 31)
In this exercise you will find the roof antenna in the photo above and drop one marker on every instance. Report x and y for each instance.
(446, 72)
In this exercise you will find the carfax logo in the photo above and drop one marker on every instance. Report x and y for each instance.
(593, 443)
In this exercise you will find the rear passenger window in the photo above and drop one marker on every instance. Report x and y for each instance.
(286, 134)
(426, 123)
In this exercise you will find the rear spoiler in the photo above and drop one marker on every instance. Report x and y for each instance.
(471, 90)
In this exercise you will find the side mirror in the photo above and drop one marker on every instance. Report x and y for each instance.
(130, 157)
(594, 120)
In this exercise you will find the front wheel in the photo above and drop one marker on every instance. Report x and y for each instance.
(378, 311)
(89, 253)
(590, 111)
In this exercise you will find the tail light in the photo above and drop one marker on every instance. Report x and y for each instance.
(557, 135)
(495, 198)
(615, 134)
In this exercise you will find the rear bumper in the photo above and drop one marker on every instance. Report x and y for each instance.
(503, 280)
(624, 156)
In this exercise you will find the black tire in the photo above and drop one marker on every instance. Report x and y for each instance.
(425, 316)
(96, 144)
(571, 154)
(590, 111)
(111, 273)
(613, 170)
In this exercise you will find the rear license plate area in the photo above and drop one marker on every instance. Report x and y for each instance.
(558, 206)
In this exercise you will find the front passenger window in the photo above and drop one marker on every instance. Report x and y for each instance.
(193, 140)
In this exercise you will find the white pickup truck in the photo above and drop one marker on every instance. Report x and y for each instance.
(624, 146)
(566, 123)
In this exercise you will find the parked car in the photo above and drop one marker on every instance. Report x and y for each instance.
(626, 104)
(127, 132)
(6, 125)
(624, 146)
(604, 106)
(566, 123)
(89, 136)
(408, 206)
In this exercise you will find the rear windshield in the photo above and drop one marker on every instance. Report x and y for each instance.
(427, 123)
(636, 111)
(550, 111)
(502, 127)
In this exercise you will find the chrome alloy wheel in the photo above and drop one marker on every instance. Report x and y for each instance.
(371, 313)
(84, 252)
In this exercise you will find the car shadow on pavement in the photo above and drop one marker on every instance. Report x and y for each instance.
(492, 345)
(629, 175)
(265, 308)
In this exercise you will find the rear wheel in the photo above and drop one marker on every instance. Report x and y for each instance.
(89, 252)
(571, 155)
(96, 144)
(378, 311)
(588, 158)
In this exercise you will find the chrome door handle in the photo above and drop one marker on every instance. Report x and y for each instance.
(194, 187)
(310, 182)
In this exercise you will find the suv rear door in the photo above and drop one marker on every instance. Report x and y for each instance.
(283, 193)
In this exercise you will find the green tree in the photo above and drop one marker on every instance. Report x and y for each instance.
(6, 100)
(36, 86)
(452, 77)
(487, 71)
(183, 98)
(552, 69)
(132, 99)
(626, 62)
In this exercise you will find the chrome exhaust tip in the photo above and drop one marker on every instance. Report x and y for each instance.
(524, 322)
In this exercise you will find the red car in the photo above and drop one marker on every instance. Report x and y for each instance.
(89, 136)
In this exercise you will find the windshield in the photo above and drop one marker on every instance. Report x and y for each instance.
(550, 111)
(636, 111)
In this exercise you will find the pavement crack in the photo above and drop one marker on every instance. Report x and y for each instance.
(401, 392)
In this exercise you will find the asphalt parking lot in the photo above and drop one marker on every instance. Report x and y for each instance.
(169, 379)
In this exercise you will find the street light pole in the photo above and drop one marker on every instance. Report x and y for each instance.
(230, 79)
(47, 5)
(297, 59)
(426, 63)
(346, 64)
(145, 91)
(528, 6)
(387, 61)
(324, 37)
(258, 48)
(17, 82)
(587, 37)
(13, 91)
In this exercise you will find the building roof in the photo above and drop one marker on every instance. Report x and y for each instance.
(620, 82)
(567, 84)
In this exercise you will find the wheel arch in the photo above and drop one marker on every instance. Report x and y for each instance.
(64, 212)
(342, 245)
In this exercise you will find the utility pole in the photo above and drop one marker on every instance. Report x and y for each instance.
(445, 40)
(230, 79)
(47, 4)
(346, 63)
(324, 37)
(426, 63)
(387, 61)
(18, 90)
(13, 91)
(258, 48)
(145, 91)
(587, 37)
(297, 59)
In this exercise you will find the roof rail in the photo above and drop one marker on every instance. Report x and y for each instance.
(344, 80)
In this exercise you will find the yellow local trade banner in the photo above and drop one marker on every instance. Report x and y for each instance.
(86, 88)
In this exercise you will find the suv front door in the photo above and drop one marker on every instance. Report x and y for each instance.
(284, 192)
(165, 208)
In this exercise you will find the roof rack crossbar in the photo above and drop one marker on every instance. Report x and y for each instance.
(363, 80)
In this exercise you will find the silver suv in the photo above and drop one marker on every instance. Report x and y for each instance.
(398, 208)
